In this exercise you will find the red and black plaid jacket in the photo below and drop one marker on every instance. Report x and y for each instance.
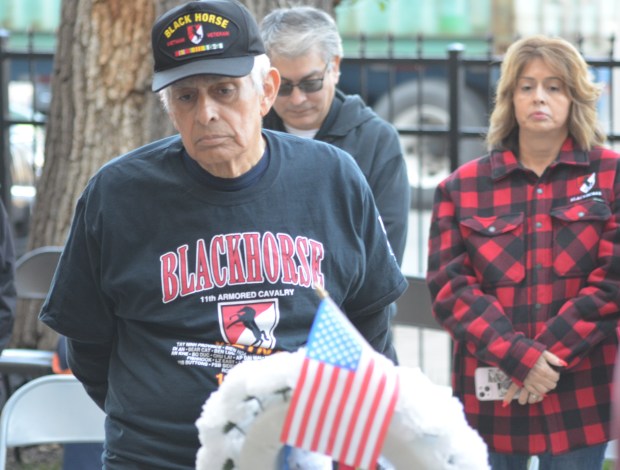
(519, 264)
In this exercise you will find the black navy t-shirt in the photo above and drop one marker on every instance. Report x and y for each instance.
(166, 283)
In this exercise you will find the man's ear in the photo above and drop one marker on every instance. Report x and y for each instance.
(271, 86)
(336, 68)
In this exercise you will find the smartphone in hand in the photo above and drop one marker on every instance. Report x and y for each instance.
(491, 384)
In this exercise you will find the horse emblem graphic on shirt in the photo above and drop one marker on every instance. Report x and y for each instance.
(588, 184)
(249, 323)
(195, 33)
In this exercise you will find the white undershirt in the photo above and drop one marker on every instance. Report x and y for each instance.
(308, 134)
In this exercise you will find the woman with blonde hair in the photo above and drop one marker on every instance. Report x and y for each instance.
(524, 266)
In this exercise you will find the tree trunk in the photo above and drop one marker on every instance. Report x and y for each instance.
(102, 107)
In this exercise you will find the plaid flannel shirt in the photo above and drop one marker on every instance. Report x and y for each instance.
(519, 264)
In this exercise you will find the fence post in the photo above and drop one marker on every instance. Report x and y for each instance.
(5, 149)
(455, 88)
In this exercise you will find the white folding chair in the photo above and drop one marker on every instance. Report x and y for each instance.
(34, 271)
(52, 409)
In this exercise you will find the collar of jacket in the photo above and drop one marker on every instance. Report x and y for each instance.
(504, 161)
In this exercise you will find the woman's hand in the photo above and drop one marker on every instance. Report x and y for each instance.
(539, 381)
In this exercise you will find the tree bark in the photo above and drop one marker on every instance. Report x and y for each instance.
(102, 106)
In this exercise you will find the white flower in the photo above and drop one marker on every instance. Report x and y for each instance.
(428, 423)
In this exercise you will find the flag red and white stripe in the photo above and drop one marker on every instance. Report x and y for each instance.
(345, 395)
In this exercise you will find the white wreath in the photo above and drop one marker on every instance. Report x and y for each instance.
(241, 422)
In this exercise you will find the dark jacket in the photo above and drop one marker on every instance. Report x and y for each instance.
(374, 144)
(8, 294)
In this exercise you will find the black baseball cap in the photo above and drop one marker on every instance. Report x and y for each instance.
(218, 37)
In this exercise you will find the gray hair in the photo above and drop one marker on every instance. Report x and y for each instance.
(262, 65)
(294, 32)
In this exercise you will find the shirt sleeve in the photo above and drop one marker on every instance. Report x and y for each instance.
(89, 362)
(76, 306)
(379, 283)
(375, 328)
(390, 187)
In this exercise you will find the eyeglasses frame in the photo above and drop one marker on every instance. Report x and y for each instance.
(301, 84)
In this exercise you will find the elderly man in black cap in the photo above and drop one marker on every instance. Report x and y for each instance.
(202, 250)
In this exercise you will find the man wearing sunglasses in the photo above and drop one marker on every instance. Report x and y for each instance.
(303, 43)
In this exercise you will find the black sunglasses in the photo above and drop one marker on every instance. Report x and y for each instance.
(311, 85)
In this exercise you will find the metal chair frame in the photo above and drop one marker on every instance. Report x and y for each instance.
(52, 409)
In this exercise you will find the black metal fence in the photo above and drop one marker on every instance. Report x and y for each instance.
(440, 104)
(438, 101)
(24, 99)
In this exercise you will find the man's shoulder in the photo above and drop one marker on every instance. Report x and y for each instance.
(135, 164)
(355, 113)
(156, 147)
(308, 154)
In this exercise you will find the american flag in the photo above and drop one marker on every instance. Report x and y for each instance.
(345, 395)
